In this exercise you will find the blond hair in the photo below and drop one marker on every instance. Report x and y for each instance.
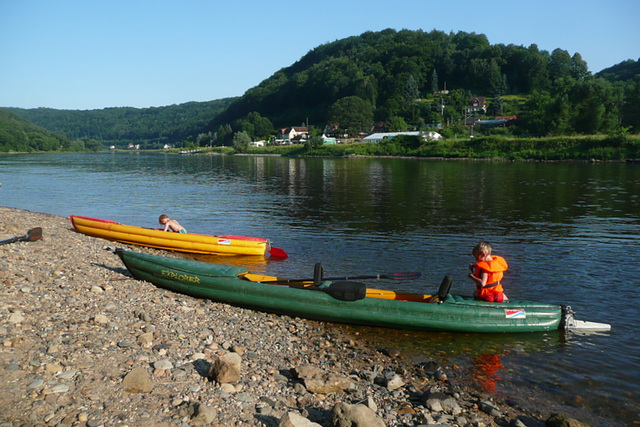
(482, 248)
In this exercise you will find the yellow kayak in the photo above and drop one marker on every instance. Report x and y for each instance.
(189, 243)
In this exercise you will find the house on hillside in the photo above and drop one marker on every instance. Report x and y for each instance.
(477, 104)
(294, 135)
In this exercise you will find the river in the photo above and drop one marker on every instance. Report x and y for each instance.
(570, 232)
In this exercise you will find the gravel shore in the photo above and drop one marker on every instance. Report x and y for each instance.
(82, 343)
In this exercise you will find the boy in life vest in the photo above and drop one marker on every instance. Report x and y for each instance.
(487, 273)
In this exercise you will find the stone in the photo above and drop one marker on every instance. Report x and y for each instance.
(358, 415)
(226, 369)
(204, 415)
(395, 382)
(67, 375)
(101, 319)
(137, 381)
(451, 406)
(53, 368)
(16, 318)
(164, 364)
(60, 388)
(145, 339)
(291, 419)
(318, 381)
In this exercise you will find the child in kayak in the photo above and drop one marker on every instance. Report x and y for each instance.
(487, 272)
(171, 224)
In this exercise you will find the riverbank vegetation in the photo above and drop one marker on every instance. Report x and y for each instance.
(584, 148)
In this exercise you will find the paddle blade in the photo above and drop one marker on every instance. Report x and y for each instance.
(34, 234)
(278, 253)
(410, 275)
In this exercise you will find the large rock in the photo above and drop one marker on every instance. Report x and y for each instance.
(291, 419)
(137, 381)
(358, 415)
(203, 415)
(226, 369)
(319, 381)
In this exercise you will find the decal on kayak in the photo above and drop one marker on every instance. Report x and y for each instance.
(224, 241)
(181, 277)
(515, 313)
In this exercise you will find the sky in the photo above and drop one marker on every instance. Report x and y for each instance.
(94, 54)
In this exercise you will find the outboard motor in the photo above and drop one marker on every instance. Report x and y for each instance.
(568, 321)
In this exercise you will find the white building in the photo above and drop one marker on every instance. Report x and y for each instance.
(379, 137)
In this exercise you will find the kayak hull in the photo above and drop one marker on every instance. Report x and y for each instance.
(159, 239)
(229, 285)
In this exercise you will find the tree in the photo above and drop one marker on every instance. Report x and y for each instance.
(204, 139)
(560, 65)
(241, 142)
(397, 124)
(579, 68)
(434, 82)
(411, 91)
(224, 135)
(353, 113)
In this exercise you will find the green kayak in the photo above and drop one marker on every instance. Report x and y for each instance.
(344, 301)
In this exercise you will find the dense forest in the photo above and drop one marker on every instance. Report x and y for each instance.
(388, 81)
(150, 127)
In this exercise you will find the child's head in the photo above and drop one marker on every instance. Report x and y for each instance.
(163, 219)
(482, 248)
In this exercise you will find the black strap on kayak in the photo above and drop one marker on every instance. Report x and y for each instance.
(343, 290)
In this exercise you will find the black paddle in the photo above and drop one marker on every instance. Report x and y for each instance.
(393, 276)
(32, 235)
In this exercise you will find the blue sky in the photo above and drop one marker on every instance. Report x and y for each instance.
(92, 54)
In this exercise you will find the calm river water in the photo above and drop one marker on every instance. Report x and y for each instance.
(570, 232)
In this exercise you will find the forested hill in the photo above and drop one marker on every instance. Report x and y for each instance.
(403, 74)
(18, 135)
(624, 71)
(120, 125)
(391, 68)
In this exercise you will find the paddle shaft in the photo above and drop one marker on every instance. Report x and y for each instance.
(33, 234)
(393, 276)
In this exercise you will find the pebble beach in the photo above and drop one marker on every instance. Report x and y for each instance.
(82, 343)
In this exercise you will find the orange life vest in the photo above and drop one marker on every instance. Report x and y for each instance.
(495, 269)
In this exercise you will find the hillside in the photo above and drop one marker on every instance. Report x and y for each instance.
(402, 75)
(18, 135)
(151, 127)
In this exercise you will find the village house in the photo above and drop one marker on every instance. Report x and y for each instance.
(477, 104)
(294, 135)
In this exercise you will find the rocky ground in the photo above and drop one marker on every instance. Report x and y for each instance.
(82, 343)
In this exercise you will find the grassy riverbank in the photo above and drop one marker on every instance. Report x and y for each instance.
(580, 148)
